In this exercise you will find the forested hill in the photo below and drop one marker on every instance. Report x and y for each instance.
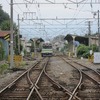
(3, 15)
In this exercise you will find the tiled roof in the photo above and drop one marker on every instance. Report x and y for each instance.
(3, 33)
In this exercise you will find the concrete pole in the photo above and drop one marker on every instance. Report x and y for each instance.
(18, 36)
(89, 24)
(11, 37)
(73, 44)
(98, 32)
(34, 48)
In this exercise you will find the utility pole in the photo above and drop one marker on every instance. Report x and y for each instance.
(18, 36)
(89, 28)
(98, 32)
(11, 36)
(34, 48)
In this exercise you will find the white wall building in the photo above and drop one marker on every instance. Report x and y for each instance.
(26, 44)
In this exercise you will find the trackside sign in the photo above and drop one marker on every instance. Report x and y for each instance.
(96, 57)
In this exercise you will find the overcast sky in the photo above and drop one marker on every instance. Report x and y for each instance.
(48, 29)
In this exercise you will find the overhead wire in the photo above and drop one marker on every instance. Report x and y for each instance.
(76, 14)
(21, 11)
(81, 10)
(83, 0)
(18, 7)
(8, 2)
(35, 7)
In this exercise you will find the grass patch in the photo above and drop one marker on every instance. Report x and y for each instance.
(3, 68)
(20, 64)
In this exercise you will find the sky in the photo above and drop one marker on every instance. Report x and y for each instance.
(58, 17)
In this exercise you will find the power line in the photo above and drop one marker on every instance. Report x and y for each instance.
(18, 7)
(8, 2)
(57, 3)
(59, 19)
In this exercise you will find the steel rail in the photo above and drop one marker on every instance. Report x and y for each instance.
(13, 83)
(90, 77)
(35, 85)
(88, 68)
(55, 83)
(79, 83)
(87, 74)
(60, 86)
(28, 76)
(84, 72)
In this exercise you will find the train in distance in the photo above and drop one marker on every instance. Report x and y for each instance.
(47, 49)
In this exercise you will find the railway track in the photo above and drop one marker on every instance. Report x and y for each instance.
(19, 88)
(89, 83)
(48, 89)
(35, 84)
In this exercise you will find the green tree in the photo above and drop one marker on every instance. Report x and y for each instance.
(5, 25)
(16, 43)
(3, 16)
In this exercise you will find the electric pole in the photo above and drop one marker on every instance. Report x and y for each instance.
(89, 28)
(18, 36)
(11, 36)
(34, 48)
(98, 32)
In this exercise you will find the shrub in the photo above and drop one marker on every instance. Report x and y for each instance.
(83, 51)
(94, 48)
(3, 68)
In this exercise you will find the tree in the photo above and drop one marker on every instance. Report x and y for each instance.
(16, 43)
(3, 16)
(5, 25)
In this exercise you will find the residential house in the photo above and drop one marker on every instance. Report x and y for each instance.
(26, 45)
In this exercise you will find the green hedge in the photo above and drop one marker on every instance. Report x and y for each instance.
(84, 51)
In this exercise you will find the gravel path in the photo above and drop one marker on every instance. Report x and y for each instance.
(63, 73)
(60, 70)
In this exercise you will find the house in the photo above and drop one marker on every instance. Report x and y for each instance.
(5, 42)
(94, 40)
(26, 45)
